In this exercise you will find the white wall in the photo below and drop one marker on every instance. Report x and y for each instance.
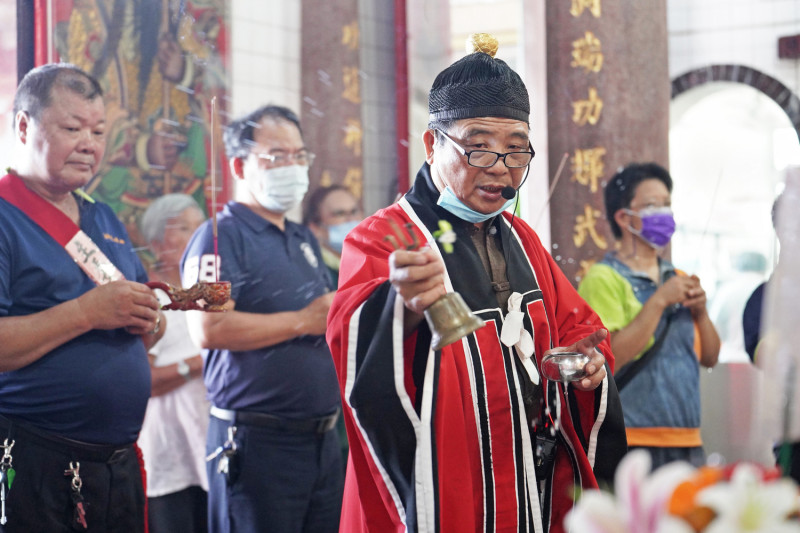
(743, 32)
(265, 54)
(724, 157)
(723, 161)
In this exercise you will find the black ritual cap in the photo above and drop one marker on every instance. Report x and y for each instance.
(478, 85)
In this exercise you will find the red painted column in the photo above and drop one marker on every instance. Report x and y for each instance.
(401, 94)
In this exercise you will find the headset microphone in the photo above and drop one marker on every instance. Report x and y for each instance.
(509, 192)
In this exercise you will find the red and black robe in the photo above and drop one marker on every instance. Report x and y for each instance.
(439, 440)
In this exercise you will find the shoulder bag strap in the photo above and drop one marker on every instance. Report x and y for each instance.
(630, 370)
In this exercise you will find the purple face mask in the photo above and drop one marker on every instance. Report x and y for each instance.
(658, 225)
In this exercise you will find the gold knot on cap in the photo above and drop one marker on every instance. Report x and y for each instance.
(482, 42)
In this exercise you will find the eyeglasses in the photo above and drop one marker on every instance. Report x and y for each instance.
(486, 159)
(345, 212)
(651, 206)
(302, 158)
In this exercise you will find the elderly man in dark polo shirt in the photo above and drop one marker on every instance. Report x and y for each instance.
(274, 463)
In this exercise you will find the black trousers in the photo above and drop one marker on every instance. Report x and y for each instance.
(41, 495)
(185, 511)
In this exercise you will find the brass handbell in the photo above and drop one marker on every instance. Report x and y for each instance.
(449, 318)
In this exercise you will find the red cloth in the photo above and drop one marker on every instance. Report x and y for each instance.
(439, 442)
(140, 458)
(58, 225)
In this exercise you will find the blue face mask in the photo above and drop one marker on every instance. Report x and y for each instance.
(450, 202)
(338, 232)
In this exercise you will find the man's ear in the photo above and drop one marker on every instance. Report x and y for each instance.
(429, 140)
(621, 218)
(237, 167)
(22, 122)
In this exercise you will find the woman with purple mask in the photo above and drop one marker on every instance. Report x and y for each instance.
(660, 330)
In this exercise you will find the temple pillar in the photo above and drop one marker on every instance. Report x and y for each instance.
(331, 92)
(348, 85)
(608, 96)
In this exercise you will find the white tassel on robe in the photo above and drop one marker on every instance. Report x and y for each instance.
(514, 334)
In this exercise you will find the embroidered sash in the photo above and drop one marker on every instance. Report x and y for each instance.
(61, 228)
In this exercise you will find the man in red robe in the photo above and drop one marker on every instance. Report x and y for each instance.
(468, 437)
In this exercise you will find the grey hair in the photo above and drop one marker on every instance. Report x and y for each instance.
(154, 221)
(35, 91)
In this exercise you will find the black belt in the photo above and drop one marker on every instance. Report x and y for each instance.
(310, 425)
(77, 450)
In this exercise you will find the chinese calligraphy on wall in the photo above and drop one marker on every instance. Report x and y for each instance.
(332, 93)
(608, 98)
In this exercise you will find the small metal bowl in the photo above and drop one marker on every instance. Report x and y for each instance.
(565, 366)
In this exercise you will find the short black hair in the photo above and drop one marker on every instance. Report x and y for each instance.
(238, 136)
(311, 212)
(440, 128)
(621, 189)
(34, 93)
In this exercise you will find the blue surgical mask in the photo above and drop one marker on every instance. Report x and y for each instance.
(338, 232)
(451, 203)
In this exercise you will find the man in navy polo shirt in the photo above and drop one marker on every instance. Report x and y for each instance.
(74, 377)
(274, 462)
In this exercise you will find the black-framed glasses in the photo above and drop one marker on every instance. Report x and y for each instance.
(303, 158)
(486, 158)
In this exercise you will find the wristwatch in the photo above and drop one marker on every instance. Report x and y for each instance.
(184, 370)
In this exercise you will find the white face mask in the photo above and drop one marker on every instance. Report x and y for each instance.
(279, 189)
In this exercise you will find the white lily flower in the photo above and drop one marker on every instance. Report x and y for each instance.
(596, 512)
(748, 504)
(641, 500)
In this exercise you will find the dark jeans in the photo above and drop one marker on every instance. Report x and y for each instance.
(281, 482)
(185, 511)
(661, 456)
(40, 499)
